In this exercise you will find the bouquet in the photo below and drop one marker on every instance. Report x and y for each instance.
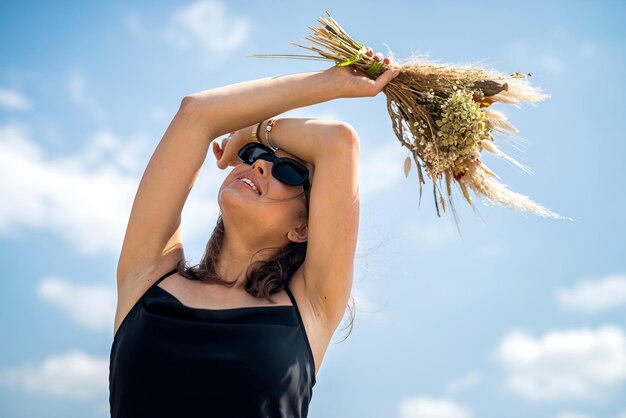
(442, 114)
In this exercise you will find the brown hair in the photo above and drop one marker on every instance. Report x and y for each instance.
(263, 278)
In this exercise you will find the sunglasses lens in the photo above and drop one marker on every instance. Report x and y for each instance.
(252, 154)
(289, 173)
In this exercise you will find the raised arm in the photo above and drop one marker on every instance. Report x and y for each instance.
(153, 240)
(333, 148)
(229, 108)
(226, 109)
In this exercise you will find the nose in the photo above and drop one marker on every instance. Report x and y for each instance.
(263, 167)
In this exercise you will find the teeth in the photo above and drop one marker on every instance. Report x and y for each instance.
(245, 180)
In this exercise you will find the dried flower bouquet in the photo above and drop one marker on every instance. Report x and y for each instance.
(441, 114)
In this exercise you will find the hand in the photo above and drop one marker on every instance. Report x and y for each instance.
(353, 82)
(226, 153)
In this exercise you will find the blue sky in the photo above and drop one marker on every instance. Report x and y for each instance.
(524, 317)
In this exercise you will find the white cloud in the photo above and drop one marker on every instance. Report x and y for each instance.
(76, 90)
(365, 306)
(573, 415)
(564, 364)
(91, 305)
(380, 168)
(522, 53)
(595, 295)
(207, 24)
(551, 62)
(135, 24)
(425, 407)
(433, 234)
(160, 114)
(85, 197)
(466, 381)
(588, 49)
(74, 375)
(14, 100)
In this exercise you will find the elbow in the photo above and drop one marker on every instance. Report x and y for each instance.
(347, 136)
(187, 103)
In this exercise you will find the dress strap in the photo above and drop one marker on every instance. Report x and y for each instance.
(293, 300)
(169, 273)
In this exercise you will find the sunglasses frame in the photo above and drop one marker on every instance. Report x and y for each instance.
(270, 155)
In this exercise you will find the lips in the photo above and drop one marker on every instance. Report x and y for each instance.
(254, 181)
(246, 185)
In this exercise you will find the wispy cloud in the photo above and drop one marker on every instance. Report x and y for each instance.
(564, 364)
(85, 197)
(588, 49)
(464, 382)
(523, 54)
(74, 375)
(592, 296)
(380, 168)
(427, 407)
(364, 305)
(77, 92)
(88, 304)
(433, 234)
(135, 24)
(206, 24)
(14, 100)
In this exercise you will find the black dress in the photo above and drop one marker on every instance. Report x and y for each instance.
(170, 360)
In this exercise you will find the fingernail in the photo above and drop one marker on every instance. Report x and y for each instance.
(386, 60)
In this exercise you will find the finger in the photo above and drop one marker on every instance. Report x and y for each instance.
(386, 77)
(379, 56)
(370, 51)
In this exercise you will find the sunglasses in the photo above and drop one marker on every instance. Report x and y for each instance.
(286, 170)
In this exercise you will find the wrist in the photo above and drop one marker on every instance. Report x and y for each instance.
(336, 81)
(261, 133)
(258, 132)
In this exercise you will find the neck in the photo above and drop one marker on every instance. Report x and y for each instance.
(236, 256)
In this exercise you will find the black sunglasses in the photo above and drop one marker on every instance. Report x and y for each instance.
(284, 169)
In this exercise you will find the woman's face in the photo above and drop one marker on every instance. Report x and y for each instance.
(273, 210)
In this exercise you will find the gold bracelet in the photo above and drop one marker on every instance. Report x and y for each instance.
(255, 132)
(268, 129)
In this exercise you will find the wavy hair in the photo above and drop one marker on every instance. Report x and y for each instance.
(263, 278)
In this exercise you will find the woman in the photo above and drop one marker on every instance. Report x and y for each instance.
(205, 341)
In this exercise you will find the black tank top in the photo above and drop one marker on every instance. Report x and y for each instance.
(170, 360)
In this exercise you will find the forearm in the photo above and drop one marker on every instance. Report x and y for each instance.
(308, 139)
(225, 109)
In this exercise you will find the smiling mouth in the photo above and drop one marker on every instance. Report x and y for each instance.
(247, 186)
